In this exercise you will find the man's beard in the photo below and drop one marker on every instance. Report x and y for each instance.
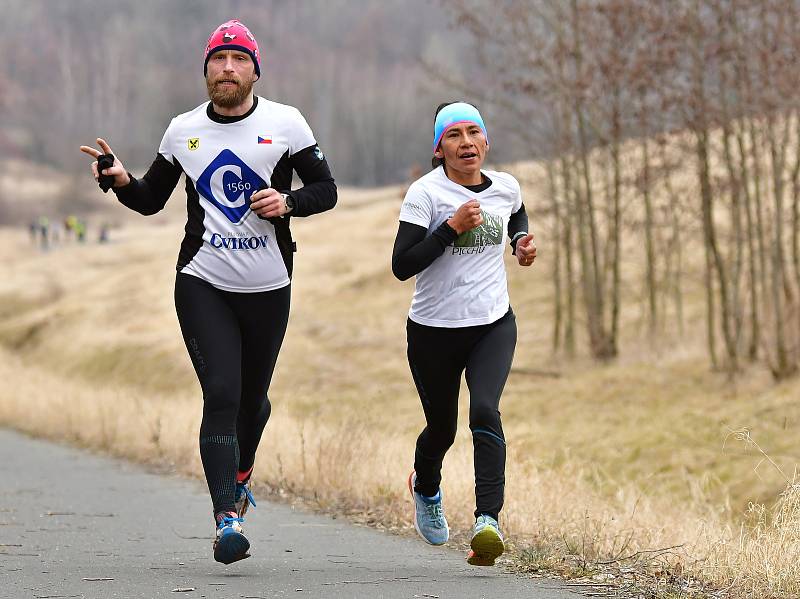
(229, 97)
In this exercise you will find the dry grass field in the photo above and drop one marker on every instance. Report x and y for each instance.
(652, 464)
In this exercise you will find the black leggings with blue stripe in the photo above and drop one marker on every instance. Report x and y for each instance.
(438, 356)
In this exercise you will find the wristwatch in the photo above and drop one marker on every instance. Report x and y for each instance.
(288, 203)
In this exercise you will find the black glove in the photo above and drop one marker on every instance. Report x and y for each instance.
(105, 161)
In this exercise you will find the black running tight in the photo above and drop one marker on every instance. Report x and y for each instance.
(233, 340)
(438, 356)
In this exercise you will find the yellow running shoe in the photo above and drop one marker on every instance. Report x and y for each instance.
(487, 542)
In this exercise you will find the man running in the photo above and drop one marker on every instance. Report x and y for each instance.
(232, 290)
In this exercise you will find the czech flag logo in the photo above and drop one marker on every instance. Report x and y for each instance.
(267, 139)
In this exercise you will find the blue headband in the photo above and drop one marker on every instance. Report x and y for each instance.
(453, 114)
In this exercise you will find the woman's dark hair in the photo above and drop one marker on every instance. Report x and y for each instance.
(436, 162)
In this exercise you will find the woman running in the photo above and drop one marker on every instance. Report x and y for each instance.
(451, 237)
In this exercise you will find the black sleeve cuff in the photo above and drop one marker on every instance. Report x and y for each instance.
(446, 233)
(126, 190)
(514, 241)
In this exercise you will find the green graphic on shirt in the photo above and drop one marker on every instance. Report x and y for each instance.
(489, 233)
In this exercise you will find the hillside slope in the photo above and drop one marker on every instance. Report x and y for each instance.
(91, 353)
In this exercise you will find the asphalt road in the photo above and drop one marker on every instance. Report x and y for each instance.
(76, 525)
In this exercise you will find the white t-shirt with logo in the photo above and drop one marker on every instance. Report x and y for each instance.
(466, 285)
(226, 163)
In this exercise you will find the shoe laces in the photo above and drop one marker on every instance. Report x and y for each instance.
(434, 511)
(243, 488)
(226, 521)
(487, 522)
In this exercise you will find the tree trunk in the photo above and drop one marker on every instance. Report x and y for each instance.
(784, 366)
(556, 245)
(570, 203)
(709, 232)
(675, 249)
(616, 233)
(759, 205)
(648, 237)
(601, 345)
(796, 204)
(755, 332)
(737, 250)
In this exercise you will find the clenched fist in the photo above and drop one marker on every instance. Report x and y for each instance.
(467, 217)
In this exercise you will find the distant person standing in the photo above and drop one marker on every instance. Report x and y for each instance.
(103, 234)
(44, 232)
(80, 230)
(452, 224)
(70, 225)
(232, 289)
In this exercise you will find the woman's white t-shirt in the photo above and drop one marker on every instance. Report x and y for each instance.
(466, 285)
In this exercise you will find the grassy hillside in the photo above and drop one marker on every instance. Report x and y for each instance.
(645, 453)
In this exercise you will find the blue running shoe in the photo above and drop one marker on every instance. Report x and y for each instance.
(243, 498)
(230, 544)
(487, 542)
(429, 520)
